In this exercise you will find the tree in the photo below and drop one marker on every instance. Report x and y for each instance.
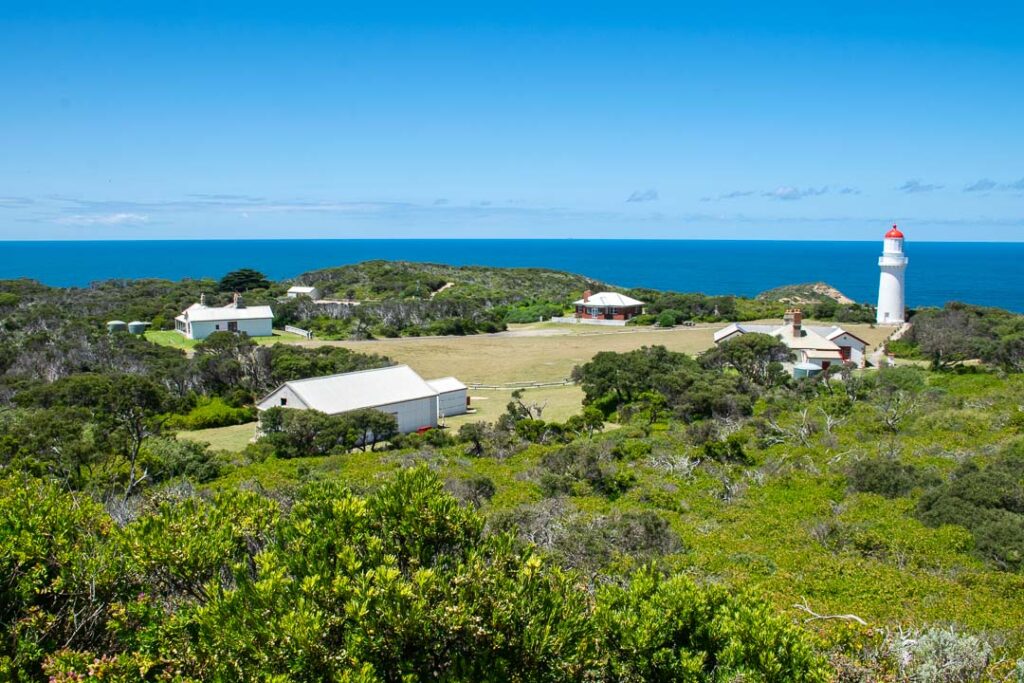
(475, 434)
(307, 433)
(373, 426)
(55, 442)
(669, 317)
(243, 280)
(589, 421)
(129, 411)
(757, 357)
(125, 410)
(628, 374)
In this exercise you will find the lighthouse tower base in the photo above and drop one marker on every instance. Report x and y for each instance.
(891, 310)
(893, 264)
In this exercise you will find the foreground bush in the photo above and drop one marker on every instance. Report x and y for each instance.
(402, 585)
(989, 501)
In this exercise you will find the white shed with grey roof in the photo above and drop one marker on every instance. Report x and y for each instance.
(397, 390)
(452, 398)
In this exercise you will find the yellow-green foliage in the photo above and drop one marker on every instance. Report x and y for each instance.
(789, 524)
(399, 585)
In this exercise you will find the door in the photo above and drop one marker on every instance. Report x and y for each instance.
(232, 326)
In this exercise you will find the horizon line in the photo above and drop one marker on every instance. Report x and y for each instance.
(488, 239)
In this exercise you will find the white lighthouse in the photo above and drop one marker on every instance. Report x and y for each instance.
(892, 262)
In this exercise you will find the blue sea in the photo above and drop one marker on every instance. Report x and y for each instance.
(981, 273)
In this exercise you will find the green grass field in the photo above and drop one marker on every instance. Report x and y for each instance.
(560, 403)
(170, 338)
(178, 341)
(541, 352)
(233, 438)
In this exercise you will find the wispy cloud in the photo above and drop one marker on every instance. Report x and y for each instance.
(983, 185)
(643, 196)
(782, 192)
(915, 186)
(15, 202)
(789, 193)
(104, 219)
(1017, 185)
(735, 194)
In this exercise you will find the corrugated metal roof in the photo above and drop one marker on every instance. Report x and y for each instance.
(200, 313)
(812, 337)
(446, 384)
(609, 299)
(363, 389)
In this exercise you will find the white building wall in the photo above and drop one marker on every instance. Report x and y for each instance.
(452, 403)
(201, 329)
(274, 399)
(411, 415)
(857, 348)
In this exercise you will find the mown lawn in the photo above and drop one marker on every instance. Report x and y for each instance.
(178, 341)
(171, 338)
(542, 352)
(559, 404)
(233, 438)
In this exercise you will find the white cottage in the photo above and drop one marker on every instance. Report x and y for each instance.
(815, 348)
(396, 389)
(199, 321)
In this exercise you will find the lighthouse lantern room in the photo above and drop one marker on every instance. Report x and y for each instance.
(893, 264)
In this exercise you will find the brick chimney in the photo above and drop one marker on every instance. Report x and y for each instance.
(586, 296)
(794, 317)
(238, 302)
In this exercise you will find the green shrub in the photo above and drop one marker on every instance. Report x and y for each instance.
(668, 318)
(212, 412)
(632, 449)
(404, 582)
(885, 476)
(729, 450)
(989, 501)
(643, 320)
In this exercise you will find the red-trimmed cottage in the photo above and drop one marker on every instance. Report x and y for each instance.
(607, 306)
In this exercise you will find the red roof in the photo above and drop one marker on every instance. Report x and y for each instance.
(894, 233)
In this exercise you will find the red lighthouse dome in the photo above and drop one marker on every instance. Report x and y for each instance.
(894, 233)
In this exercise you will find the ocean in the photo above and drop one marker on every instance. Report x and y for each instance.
(979, 272)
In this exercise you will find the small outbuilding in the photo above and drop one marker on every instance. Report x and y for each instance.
(199, 321)
(396, 389)
(299, 290)
(452, 396)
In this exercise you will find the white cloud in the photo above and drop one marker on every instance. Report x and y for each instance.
(790, 193)
(643, 196)
(914, 186)
(121, 218)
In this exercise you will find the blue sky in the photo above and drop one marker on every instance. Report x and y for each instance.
(718, 120)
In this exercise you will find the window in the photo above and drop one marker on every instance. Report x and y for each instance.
(844, 352)
(217, 326)
(284, 401)
(233, 326)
